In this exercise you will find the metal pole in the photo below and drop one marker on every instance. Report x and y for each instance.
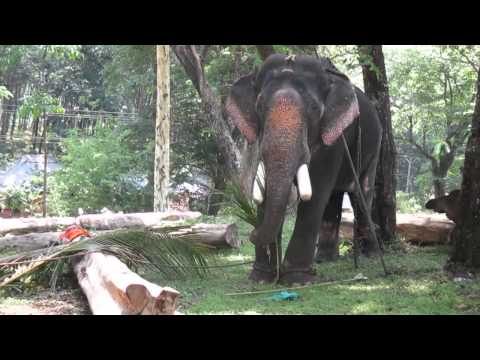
(371, 225)
(45, 162)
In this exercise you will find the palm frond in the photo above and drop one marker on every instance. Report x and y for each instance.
(241, 205)
(162, 252)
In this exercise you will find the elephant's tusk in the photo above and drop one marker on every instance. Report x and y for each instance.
(303, 182)
(259, 184)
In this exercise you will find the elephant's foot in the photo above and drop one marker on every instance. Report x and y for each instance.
(368, 245)
(369, 248)
(293, 278)
(262, 277)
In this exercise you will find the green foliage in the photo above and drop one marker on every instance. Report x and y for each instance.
(71, 52)
(99, 172)
(440, 149)
(39, 103)
(408, 203)
(4, 93)
(240, 204)
(18, 198)
(431, 90)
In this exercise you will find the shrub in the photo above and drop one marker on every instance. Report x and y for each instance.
(408, 203)
(98, 172)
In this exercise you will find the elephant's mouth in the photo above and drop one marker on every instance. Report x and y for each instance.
(303, 184)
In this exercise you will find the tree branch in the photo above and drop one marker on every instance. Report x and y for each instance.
(410, 140)
(192, 64)
(265, 51)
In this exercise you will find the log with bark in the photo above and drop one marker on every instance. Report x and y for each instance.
(217, 235)
(97, 221)
(421, 229)
(113, 289)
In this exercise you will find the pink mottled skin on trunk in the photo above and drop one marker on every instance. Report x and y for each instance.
(283, 127)
(282, 150)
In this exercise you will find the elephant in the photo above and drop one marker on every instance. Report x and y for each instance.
(297, 108)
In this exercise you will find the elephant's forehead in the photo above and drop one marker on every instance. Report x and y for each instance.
(284, 113)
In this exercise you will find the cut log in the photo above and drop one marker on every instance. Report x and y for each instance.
(217, 235)
(421, 229)
(424, 229)
(97, 221)
(113, 289)
(29, 241)
(30, 225)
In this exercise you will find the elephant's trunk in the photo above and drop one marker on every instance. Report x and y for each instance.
(284, 156)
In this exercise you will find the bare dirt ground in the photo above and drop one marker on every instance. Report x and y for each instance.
(63, 302)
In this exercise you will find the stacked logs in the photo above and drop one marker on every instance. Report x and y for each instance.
(109, 285)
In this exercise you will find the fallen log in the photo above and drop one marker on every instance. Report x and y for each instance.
(421, 229)
(113, 289)
(110, 221)
(424, 229)
(217, 235)
(29, 242)
(29, 225)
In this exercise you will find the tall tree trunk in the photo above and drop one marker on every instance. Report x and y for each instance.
(192, 63)
(14, 120)
(4, 119)
(36, 124)
(439, 175)
(216, 197)
(162, 130)
(376, 88)
(466, 250)
(1, 109)
(265, 51)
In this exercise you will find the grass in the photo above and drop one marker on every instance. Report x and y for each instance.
(417, 285)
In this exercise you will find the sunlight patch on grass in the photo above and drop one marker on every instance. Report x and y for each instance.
(248, 312)
(418, 288)
(364, 287)
(9, 301)
(364, 308)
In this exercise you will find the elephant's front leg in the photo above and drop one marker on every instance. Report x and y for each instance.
(265, 268)
(328, 240)
(297, 267)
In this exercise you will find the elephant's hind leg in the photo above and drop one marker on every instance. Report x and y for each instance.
(327, 245)
(367, 244)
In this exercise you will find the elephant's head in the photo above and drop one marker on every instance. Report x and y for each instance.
(292, 106)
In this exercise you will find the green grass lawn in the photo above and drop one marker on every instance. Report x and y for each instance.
(417, 285)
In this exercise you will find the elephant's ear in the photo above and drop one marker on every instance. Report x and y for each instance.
(240, 107)
(341, 108)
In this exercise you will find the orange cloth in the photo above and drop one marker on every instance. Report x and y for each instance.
(73, 232)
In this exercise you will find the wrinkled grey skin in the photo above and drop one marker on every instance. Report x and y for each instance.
(297, 108)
